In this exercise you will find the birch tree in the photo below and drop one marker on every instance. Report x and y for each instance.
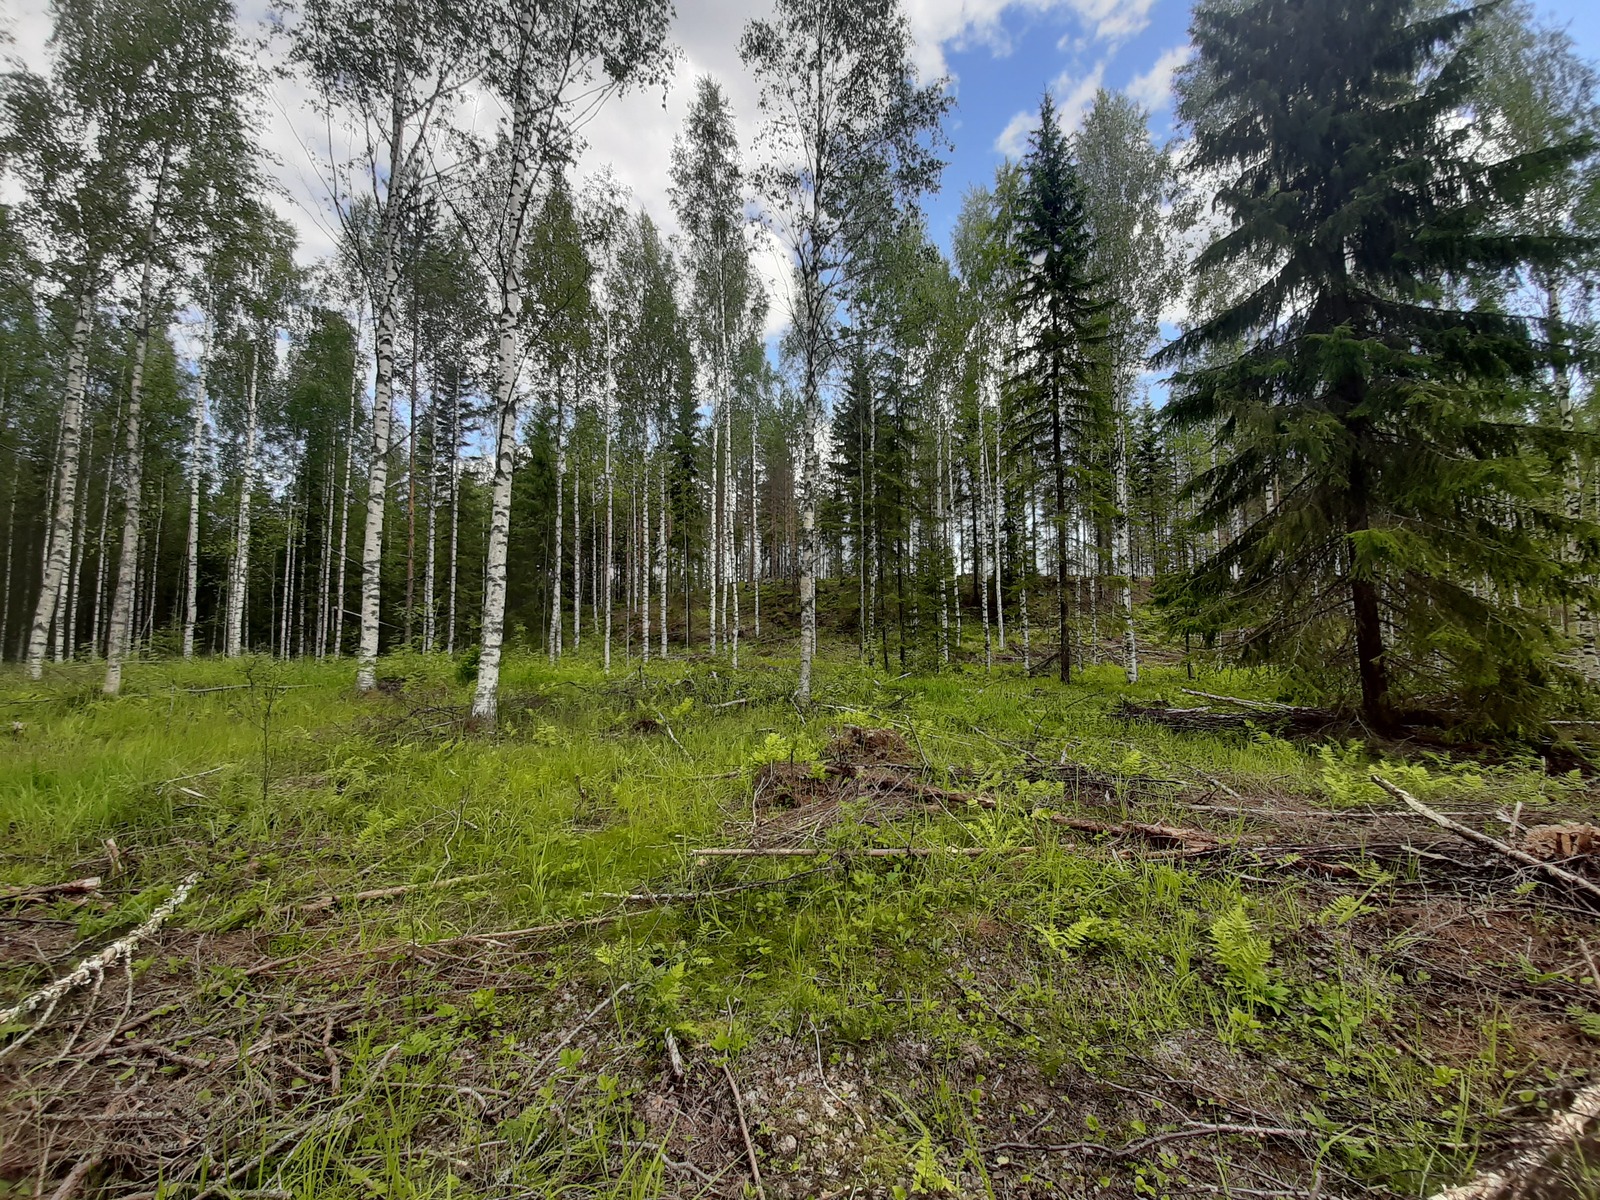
(553, 67)
(842, 105)
(74, 141)
(1127, 185)
(387, 74)
(193, 135)
(726, 304)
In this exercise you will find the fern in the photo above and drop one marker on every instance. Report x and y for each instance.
(1586, 1021)
(1244, 955)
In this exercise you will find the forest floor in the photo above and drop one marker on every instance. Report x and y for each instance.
(967, 935)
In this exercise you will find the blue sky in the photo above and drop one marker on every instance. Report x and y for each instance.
(1065, 48)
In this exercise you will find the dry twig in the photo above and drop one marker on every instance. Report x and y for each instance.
(1483, 839)
(744, 1129)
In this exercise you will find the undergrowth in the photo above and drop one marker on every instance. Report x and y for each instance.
(960, 994)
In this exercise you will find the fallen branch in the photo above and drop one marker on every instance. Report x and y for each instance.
(674, 1056)
(1483, 839)
(1136, 1148)
(744, 1129)
(94, 967)
(333, 898)
(513, 935)
(882, 779)
(1043, 665)
(1272, 706)
(73, 887)
(576, 1029)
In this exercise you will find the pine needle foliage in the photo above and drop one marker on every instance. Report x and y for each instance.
(1389, 514)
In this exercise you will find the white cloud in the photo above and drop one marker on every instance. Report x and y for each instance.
(1153, 89)
(1114, 21)
(1073, 95)
(1013, 139)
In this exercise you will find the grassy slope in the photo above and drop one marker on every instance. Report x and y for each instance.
(893, 1022)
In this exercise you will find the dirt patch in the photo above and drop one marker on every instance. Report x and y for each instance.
(860, 746)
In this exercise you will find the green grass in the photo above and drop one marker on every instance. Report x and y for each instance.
(961, 998)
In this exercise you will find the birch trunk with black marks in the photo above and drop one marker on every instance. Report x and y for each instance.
(378, 468)
(344, 508)
(191, 569)
(80, 535)
(555, 568)
(430, 622)
(119, 635)
(1122, 567)
(58, 545)
(241, 553)
(519, 203)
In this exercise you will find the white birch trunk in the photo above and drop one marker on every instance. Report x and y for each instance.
(577, 555)
(808, 541)
(325, 564)
(119, 634)
(455, 531)
(378, 469)
(430, 622)
(58, 545)
(97, 627)
(646, 542)
(661, 550)
(79, 546)
(191, 585)
(1119, 549)
(610, 490)
(942, 516)
(729, 491)
(485, 700)
(241, 554)
(555, 572)
(713, 630)
(997, 514)
(755, 535)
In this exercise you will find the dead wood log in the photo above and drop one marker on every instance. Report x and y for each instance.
(1483, 839)
(1043, 665)
(335, 898)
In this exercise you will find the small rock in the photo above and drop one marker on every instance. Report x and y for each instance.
(787, 1144)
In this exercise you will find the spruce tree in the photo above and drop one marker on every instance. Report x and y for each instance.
(1388, 517)
(1062, 320)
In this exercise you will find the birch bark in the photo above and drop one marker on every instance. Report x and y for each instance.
(59, 543)
(191, 573)
(119, 634)
(378, 468)
(241, 554)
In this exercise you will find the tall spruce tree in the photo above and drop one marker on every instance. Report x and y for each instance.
(1062, 324)
(1390, 504)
